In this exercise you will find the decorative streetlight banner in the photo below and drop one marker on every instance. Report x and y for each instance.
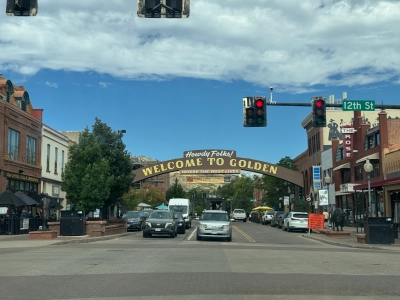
(323, 198)
(348, 144)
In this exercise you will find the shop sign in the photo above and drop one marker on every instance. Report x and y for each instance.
(10, 175)
(348, 143)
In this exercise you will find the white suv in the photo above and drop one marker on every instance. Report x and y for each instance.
(267, 217)
(239, 214)
(295, 221)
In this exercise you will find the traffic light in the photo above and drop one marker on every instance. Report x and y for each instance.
(254, 111)
(319, 111)
(22, 8)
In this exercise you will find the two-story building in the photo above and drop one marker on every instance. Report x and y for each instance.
(20, 140)
(351, 183)
(54, 158)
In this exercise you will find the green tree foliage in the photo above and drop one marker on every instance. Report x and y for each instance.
(275, 188)
(86, 178)
(149, 194)
(129, 200)
(175, 191)
(112, 149)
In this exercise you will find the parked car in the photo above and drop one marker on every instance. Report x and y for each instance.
(133, 220)
(239, 215)
(214, 224)
(281, 219)
(277, 215)
(267, 217)
(181, 223)
(295, 221)
(160, 222)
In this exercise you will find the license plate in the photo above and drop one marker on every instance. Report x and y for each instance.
(301, 221)
(214, 232)
(158, 229)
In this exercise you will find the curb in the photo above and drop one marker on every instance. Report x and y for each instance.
(93, 239)
(343, 244)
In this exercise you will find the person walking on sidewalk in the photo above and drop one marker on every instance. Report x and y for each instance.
(326, 216)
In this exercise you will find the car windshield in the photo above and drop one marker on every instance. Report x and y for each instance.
(160, 215)
(178, 215)
(214, 217)
(304, 216)
(131, 215)
(178, 208)
(239, 211)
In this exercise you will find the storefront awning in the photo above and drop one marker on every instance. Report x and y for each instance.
(378, 183)
(337, 193)
(371, 156)
(344, 166)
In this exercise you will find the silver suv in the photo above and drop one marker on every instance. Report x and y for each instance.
(214, 224)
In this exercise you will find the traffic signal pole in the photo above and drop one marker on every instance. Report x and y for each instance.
(381, 106)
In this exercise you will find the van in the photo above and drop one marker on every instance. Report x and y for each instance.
(182, 206)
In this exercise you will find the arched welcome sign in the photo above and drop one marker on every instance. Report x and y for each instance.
(217, 162)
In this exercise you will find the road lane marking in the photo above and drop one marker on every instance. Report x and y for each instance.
(191, 235)
(249, 238)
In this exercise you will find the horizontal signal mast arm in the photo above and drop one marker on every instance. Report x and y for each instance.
(384, 106)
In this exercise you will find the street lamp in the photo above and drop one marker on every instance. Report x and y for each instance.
(368, 169)
(327, 180)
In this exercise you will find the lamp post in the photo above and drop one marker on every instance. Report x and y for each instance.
(368, 169)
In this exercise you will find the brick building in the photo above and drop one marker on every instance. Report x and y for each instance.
(374, 143)
(20, 139)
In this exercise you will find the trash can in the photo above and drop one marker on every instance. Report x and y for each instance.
(72, 223)
(379, 230)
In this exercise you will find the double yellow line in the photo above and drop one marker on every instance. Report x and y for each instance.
(244, 234)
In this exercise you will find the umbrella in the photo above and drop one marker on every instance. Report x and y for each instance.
(162, 206)
(262, 208)
(26, 199)
(53, 201)
(8, 198)
(143, 205)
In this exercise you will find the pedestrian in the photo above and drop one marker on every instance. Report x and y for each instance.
(326, 216)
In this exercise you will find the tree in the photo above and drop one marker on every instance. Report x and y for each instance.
(86, 178)
(120, 164)
(175, 191)
(276, 188)
(149, 194)
(129, 200)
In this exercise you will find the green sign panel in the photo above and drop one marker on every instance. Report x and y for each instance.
(361, 105)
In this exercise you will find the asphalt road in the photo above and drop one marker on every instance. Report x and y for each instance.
(260, 263)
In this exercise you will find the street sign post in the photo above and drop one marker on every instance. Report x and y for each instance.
(317, 177)
(358, 105)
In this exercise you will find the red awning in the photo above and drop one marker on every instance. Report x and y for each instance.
(377, 183)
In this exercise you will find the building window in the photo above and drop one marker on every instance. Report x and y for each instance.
(375, 170)
(346, 176)
(48, 158)
(18, 100)
(62, 161)
(55, 159)
(30, 150)
(372, 140)
(13, 144)
(358, 173)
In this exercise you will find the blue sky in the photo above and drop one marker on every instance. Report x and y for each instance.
(177, 85)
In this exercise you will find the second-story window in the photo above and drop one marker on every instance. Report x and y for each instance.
(62, 161)
(30, 150)
(13, 144)
(375, 169)
(48, 158)
(346, 176)
(55, 159)
(372, 140)
(358, 173)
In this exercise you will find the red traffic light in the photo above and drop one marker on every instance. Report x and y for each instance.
(259, 103)
(319, 103)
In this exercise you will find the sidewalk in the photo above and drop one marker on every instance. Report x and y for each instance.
(24, 241)
(351, 240)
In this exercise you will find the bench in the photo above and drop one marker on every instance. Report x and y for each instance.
(361, 238)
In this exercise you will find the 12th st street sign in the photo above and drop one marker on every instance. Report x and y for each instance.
(360, 105)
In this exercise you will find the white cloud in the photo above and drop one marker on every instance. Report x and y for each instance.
(291, 45)
(51, 84)
(104, 84)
